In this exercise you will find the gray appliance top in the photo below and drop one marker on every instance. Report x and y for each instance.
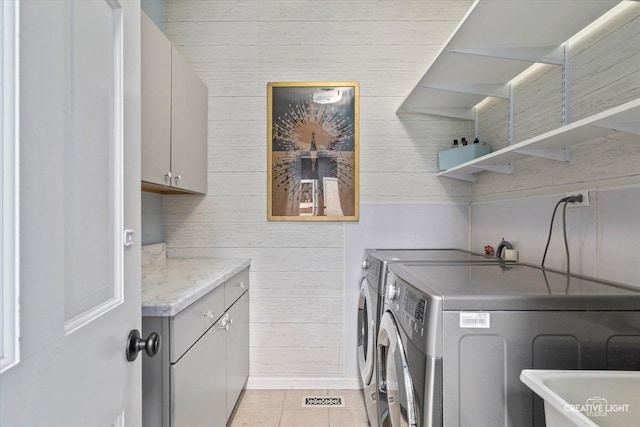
(514, 287)
(429, 255)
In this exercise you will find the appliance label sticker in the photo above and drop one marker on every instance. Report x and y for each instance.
(475, 320)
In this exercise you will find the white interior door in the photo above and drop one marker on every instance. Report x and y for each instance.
(79, 190)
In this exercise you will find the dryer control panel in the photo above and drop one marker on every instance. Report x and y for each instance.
(415, 306)
(414, 311)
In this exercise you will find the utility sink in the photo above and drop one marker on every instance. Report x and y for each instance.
(587, 398)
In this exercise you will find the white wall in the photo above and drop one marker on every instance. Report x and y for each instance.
(604, 238)
(299, 321)
(392, 225)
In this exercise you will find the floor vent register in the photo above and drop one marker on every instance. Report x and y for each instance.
(322, 401)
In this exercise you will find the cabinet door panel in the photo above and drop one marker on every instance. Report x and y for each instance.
(156, 103)
(198, 383)
(188, 127)
(237, 351)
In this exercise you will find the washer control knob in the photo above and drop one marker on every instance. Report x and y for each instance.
(365, 264)
(393, 291)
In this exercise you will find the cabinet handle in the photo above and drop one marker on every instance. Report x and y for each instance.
(209, 314)
(226, 322)
(178, 178)
(240, 285)
(167, 177)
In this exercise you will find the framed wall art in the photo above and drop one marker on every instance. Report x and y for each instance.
(312, 151)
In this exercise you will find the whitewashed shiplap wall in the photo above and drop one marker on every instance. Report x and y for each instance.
(236, 47)
(604, 72)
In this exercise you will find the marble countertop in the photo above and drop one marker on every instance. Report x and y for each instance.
(171, 286)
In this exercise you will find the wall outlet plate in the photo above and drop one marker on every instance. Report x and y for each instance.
(584, 202)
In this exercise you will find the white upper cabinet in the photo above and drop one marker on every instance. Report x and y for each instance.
(174, 118)
(188, 127)
(156, 104)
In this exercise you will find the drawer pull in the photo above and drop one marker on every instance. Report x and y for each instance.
(209, 314)
(241, 285)
(226, 322)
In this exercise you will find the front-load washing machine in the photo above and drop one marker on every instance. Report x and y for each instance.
(453, 339)
(368, 312)
(374, 268)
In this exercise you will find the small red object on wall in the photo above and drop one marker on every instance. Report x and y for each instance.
(488, 250)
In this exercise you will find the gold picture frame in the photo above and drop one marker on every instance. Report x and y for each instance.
(312, 151)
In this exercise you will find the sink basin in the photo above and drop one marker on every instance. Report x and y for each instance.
(587, 398)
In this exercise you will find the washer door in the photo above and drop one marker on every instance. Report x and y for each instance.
(395, 378)
(366, 333)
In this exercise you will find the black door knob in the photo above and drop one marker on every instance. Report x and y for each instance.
(135, 345)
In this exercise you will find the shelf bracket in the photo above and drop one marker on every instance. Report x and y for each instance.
(506, 168)
(553, 55)
(565, 86)
(559, 154)
(456, 113)
(511, 115)
(627, 127)
(469, 177)
(493, 90)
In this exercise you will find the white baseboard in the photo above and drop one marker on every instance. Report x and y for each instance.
(263, 383)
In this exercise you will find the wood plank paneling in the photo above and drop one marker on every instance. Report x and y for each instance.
(252, 234)
(604, 72)
(303, 34)
(217, 209)
(400, 186)
(286, 62)
(297, 296)
(320, 284)
(282, 260)
(311, 361)
(237, 183)
(313, 10)
(374, 82)
(296, 335)
(317, 311)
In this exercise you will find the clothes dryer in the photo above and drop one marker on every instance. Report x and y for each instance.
(374, 268)
(454, 338)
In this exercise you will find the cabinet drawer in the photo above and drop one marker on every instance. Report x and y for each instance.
(235, 287)
(189, 325)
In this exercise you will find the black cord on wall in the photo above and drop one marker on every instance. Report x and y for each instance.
(566, 201)
(564, 231)
(546, 248)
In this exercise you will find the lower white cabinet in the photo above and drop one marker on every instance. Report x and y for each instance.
(237, 351)
(203, 364)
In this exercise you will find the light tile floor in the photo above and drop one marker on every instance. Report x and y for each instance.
(283, 408)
